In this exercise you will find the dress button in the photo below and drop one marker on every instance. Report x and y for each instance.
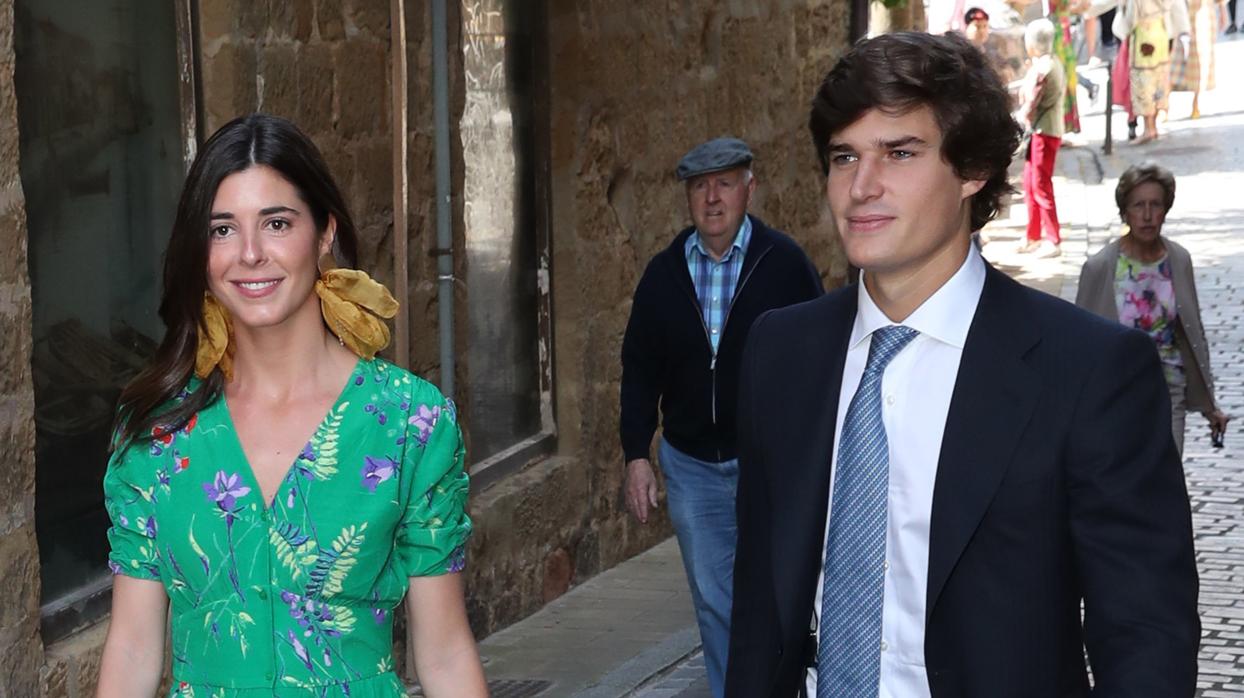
(267, 676)
(884, 646)
(263, 594)
(889, 399)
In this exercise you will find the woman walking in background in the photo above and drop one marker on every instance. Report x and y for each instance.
(1192, 70)
(1060, 13)
(1148, 26)
(1146, 281)
(1042, 115)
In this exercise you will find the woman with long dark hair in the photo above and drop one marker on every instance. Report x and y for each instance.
(275, 487)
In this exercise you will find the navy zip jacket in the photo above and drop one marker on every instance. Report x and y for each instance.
(667, 359)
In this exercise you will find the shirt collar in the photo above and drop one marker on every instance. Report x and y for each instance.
(741, 241)
(945, 316)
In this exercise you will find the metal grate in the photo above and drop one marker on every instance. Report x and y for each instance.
(507, 688)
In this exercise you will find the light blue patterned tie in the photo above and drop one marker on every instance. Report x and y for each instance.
(848, 656)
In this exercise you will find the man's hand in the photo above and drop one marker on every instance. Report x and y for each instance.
(641, 488)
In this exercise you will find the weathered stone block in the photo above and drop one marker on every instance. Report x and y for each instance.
(372, 190)
(15, 347)
(330, 19)
(229, 84)
(370, 17)
(21, 661)
(236, 18)
(55, 678)
(558, 574)
(291, 19)
(362, 69)
(280, 80)
(314, 78)
(19, 568)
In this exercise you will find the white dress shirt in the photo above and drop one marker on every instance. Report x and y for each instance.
(916, 391)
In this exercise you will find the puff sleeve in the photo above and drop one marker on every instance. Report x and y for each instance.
(432, 534)
(129, 498)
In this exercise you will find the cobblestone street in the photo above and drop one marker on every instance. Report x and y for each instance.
(1207, 157)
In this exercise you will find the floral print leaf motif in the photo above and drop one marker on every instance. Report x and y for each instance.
(376, 471)
(194, 545)
(324, 465)
(292, 547)
(347, 547)
(342, 621)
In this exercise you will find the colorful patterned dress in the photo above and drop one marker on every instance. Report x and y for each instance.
(1145, 294)
(1064, 50)
(296, 598)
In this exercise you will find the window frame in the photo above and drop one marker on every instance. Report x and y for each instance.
(61, 617)
(542, 443)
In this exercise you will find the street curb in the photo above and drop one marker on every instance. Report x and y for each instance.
(652, 662)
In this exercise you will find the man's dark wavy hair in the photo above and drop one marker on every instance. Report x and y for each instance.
(903, 71)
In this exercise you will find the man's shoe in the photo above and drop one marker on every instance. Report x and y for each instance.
(1231, 29)
(1028, 246)
(1131, 130)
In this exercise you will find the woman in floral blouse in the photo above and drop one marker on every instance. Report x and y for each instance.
(1145, 280)
(273, 485)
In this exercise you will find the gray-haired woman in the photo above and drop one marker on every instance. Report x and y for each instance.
(1145, 280)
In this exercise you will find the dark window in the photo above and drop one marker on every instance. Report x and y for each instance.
(101, 137)
(505, 196)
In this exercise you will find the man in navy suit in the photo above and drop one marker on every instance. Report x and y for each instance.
(938, 466)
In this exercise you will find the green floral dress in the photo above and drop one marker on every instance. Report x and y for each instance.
(295, 599)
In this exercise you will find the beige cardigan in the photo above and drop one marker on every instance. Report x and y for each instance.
(1096, 294)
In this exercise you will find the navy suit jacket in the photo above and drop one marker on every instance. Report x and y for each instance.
(1057, 482)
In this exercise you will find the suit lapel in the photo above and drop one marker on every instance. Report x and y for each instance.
(800, 481)
(993, 400)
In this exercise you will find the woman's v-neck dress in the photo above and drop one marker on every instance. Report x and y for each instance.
(295, 599)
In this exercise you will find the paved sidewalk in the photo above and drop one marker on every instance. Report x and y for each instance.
(603, 638)
(630, 631)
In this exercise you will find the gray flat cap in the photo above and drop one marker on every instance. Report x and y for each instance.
(713, 156)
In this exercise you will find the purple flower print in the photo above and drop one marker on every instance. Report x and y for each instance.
(116, 569)
(308, 453)
(150, 528)
(424, 420)
(225, 492)
(298, 648)
(376, 471)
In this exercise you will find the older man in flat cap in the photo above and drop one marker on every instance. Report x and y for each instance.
(681, 353)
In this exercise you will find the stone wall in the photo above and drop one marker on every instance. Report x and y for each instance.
(19, 562)
(633, 87)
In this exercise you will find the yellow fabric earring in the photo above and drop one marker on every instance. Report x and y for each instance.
(214, 348)
(353, 305)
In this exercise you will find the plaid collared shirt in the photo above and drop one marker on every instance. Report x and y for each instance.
(715, 281)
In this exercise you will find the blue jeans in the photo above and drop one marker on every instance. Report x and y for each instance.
(701, 502)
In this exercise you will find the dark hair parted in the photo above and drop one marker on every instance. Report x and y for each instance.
(1137, 175)
(149, 403)
(899, 72)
